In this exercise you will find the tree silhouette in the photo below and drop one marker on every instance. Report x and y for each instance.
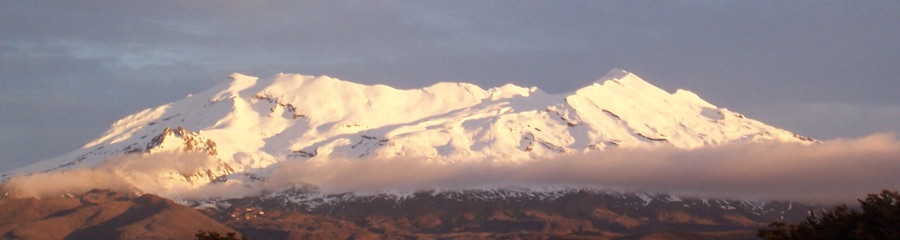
(210, 235)
(879, 219)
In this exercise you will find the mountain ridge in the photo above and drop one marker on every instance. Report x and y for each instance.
(101, 214)
(248, 126)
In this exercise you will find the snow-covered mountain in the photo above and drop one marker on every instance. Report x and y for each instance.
(249, 125)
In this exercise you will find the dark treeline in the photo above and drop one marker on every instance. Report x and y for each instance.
(879, 218)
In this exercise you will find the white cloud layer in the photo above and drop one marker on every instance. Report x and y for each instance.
(838, 170)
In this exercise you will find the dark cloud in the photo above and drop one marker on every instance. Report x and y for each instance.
(752, 57)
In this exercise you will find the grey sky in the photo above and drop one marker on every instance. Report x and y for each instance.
(68, 70)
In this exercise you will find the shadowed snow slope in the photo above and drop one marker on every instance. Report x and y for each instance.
(244, 129)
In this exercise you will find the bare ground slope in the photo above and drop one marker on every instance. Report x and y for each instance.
(102, 215)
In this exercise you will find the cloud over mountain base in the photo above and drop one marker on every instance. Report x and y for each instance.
(838, 170)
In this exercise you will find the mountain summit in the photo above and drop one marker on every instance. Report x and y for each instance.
(247, 126)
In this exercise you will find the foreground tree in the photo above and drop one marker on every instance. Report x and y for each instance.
(210, 235)
(879, 219)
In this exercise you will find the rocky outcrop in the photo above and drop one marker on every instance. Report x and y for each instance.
(186, 140)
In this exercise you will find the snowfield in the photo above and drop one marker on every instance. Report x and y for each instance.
(248, 127)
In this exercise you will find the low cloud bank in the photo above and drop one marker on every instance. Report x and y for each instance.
(838, 170)
(143, 173)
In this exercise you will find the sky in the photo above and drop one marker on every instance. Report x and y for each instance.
(68, 70)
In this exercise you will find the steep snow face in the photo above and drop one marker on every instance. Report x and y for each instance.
(627, 111)
(250, 124)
